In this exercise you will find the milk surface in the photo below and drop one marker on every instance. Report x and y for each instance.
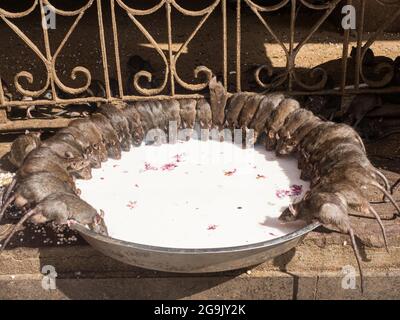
(195, 194)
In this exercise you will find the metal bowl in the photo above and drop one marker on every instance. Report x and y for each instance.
(193, 260)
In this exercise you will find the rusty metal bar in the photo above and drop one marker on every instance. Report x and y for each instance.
(103, 49)
(238, 47)
(345, 55)
(360, 32)
(171, 57)
(48, 51)
(225, 43)
(116, 48)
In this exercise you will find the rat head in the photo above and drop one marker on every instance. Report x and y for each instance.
(98, 225)
(291, 213)
(287, 146)
(100, 150)
(114, 149)
(273, 137)
(328, 208)
(93, 158)
(76, 164)
(124, 138)
(84, 173)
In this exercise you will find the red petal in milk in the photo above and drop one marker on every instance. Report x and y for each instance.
(169, 166)
(282, 193)
(131, 204)
(296, 190)
(260, 176)
(212, 227)
(148, 166)
(229, 173)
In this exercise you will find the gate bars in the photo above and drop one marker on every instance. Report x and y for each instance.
(289, 78)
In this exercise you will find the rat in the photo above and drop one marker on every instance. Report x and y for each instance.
(146, 116)
(135, 123)
(290, 145)
(188, 113)
(74, 135)
(118, 122)
(61, 207)
(294, 121)
(21, 147)
(159, 115)
(330, 209)
(235, 105)
(171, 110)
(109, 136)
(93, 135)
(359, 176)
(355, 200)
(277, 120)
(360, 107)
(218, 98)
(204, 114)
(250, 108)
(338, 154)
(34, 188)
(260, 120)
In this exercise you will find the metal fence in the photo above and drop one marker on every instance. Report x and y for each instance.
(287, 81)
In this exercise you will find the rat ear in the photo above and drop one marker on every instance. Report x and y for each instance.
(69, 155)
(102, 213)
(292, 210)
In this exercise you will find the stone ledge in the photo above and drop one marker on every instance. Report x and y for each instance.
(307, 272)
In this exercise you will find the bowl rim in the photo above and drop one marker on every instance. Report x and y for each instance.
(82, 230)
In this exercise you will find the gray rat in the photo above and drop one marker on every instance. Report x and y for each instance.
(263, 114)
(277, 120)
(218, 98)
(331, 210)
(234, 107)
(109, 136)
(63, 208)
(118, 122)
(21, 147)
(93, 135)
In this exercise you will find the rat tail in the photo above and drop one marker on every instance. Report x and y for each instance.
(358, 257)
(378, 218)
(8, 190)
(5, 206)
(387, 194)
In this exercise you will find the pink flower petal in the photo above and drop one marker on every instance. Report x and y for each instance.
(131, 204)
(229, 173)
(169, 166)
(212, 227)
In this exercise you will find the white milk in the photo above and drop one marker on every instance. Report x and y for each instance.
(196, 194)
